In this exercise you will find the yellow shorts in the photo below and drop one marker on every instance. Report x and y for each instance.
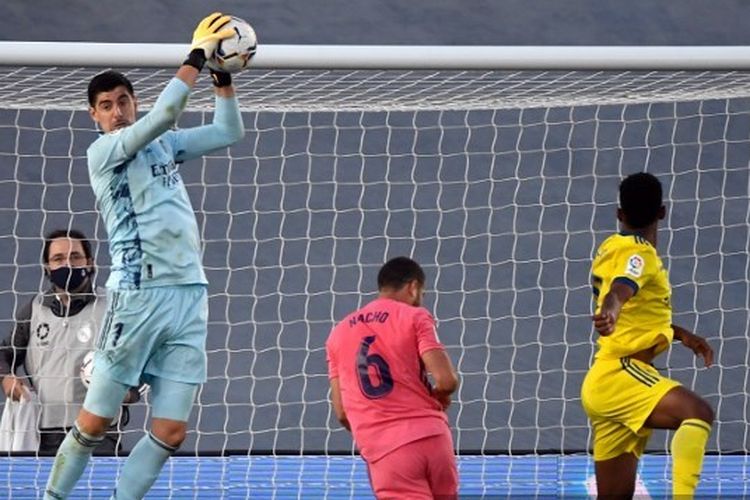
(618, 395)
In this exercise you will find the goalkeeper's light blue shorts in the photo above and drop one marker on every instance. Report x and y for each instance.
(154, 332)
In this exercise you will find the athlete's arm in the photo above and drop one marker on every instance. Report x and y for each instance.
(174, 97)
(161, 118)
(338, 406)
(695, 343)
(438, 364)
(226, 129)
(618, 295)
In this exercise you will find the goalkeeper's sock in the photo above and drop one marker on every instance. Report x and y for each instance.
(70, 462)
(142, 467)
(688, 448)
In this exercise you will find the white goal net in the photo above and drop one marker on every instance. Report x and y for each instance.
(501, 183)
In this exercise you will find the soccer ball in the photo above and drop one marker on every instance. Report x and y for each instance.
(234, 54)
(87, 368)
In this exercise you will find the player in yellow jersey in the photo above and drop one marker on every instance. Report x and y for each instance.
(623, 394)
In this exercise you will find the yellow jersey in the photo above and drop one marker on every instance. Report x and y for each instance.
(645, 320)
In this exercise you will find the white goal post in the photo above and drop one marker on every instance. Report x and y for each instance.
(495, 167)
(393, 56)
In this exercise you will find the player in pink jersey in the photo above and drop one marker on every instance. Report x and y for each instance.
(378, 360)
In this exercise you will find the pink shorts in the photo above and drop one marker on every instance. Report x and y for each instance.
(425, 468)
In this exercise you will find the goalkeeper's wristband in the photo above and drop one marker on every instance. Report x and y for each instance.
(196, 59)
(221, 78)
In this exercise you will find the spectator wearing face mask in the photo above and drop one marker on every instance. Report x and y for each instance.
(51, 336)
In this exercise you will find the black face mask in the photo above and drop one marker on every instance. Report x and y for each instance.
(69, 278)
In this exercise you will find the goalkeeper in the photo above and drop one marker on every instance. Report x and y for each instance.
(156, 322)
(623, 394)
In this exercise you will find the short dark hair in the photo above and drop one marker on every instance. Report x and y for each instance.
(106, 81)
(640, 199)
(72, 234)
(399, 271)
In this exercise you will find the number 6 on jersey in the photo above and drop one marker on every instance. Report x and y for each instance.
(364, 363)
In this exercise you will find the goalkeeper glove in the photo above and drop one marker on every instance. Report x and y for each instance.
(221, 78)
(206, 37)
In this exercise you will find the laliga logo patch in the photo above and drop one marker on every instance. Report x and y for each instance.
(635, 266)
(42, 331)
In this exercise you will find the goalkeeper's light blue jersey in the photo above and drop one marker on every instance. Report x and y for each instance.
(153, 234)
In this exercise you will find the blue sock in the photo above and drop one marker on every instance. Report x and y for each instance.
(70, 462)
(142, 467)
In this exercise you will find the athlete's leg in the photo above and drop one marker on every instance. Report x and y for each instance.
(172, 402)
(174, 369)
(691, 416)
(102, 402)
(615, 478)
(401, 474)
(442, 473)
(618, 396)
(678, 405)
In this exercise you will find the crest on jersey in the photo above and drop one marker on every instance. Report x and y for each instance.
(85, 333)
(635, 266)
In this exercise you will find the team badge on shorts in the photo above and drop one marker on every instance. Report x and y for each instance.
(635, 266)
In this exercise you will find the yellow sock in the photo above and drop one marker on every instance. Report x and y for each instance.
(688, 448)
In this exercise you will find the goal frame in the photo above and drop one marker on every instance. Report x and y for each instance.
(474, 57)
(296, 59)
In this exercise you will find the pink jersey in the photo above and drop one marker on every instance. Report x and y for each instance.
(375, 353)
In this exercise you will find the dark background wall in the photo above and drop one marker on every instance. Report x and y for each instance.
(451, 22)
